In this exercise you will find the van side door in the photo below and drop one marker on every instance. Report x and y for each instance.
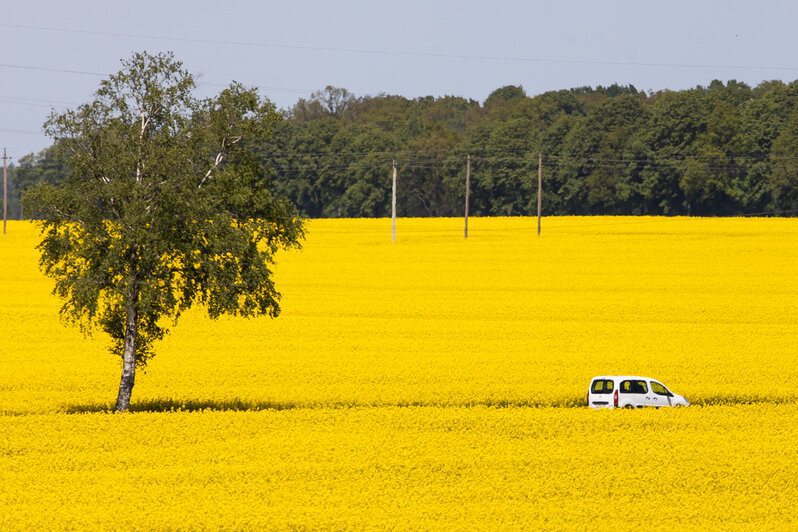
(634, 393)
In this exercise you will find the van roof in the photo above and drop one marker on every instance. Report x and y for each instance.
(623, 377)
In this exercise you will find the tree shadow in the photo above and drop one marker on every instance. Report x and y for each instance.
(744, 399)
(249, 405)
(185, 405)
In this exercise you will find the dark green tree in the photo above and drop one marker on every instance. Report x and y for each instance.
(364, 178)
(593, 166)
(676, 119)
(712, 176)
(509, 171)
(305, 163)
(784, 158)
(425, 188)
(331, 101)
(607, 150)
(505, 94)
(42, 167)
(164, 207)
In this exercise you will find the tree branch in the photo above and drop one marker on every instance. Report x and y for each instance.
(217, 162)
(68, 217)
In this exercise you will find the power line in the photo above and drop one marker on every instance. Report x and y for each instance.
(48, 69)
(9, 101)
(199, 82)
(638, 220)
(445, 159)
(264, 88)
(20, 131)
(398, 52)
(325, 161)
(34, 100)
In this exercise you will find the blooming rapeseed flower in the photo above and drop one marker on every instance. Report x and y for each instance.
(373, 400)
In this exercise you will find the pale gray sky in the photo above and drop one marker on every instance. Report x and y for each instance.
(54, 53)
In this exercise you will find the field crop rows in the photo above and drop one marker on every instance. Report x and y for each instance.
(434, 382)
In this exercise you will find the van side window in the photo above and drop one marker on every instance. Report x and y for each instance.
(659, 389)
(602, 386)
(634, 387)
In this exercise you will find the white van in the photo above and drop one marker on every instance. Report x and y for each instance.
(623, 391)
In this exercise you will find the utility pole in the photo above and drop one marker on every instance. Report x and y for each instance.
(5, 189)
(393, 205)
(540, 186)
(468, 189)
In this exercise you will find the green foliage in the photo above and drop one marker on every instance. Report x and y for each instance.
(505, 94)
(783, 180)
(42, 167)
(592, 174)
(164, 205)
(716, 150)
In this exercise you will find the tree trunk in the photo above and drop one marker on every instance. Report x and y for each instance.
(129, 355)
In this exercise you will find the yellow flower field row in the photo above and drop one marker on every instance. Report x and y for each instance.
(707, 468)
(708, 306)
(374, 398)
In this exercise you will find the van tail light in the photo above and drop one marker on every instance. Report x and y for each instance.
(615, 398)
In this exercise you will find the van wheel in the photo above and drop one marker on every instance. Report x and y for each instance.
(629, 406)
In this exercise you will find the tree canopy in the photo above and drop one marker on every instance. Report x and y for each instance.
(164, 206)
(717, 150)
(722, 149)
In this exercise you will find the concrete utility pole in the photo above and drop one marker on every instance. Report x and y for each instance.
(540, 186)
(468, 189)
(393, 205)
(5, 190)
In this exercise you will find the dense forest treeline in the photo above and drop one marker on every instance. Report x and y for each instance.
(724, 149)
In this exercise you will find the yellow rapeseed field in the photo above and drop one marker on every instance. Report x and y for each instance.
(429, 383)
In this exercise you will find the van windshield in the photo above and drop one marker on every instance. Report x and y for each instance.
(602, 386)
(659, 389)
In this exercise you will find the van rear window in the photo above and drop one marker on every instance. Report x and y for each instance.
(602, 386)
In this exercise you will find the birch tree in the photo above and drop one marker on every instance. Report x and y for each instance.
(165, 207)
